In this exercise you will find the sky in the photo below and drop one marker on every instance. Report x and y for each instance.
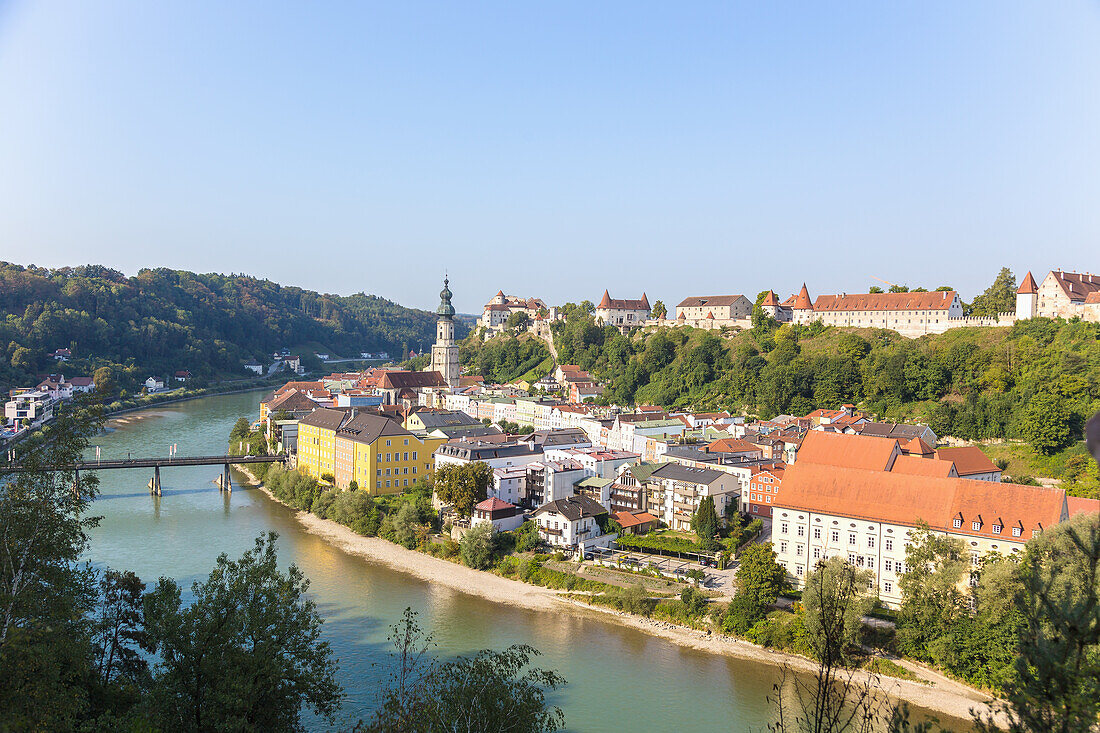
(554, 149)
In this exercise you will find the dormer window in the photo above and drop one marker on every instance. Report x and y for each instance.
(996, 529)
(1016, 532)
(976, 526)
(957, 523)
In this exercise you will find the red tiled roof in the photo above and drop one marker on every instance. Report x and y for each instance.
(802, 300)
(771, 299)
(493, 505)
(968, 460)
(846, 451)
(939, 300)
(731, 445)
(1028, 286)
(627, 520)
(917, 466)
(1077, 285)
(917, 447)
(1077, 505)
(905, 499)
(607, 302)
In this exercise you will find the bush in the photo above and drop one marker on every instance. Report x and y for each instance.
(323, 503)
(478, 546)
(405, 524)
(635, 600)
(527, 536)
(328, 477)
(508, 566)
(695, 603)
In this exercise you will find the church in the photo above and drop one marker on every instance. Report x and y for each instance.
(445, 350)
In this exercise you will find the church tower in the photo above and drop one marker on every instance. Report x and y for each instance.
(1027, 298)
(445, 351)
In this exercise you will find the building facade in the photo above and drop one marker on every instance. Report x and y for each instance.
(445, 350)
(623, 314)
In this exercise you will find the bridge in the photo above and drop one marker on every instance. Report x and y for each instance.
(224, 482)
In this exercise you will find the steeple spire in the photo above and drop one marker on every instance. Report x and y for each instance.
(445, 309)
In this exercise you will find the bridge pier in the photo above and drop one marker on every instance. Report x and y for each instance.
(154, 484)
(227, 481)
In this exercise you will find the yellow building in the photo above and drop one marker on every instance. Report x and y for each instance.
(375, 452)
(317, 441)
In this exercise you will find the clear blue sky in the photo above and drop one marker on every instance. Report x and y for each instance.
(554, 149)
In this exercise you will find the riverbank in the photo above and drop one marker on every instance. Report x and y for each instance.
(940, 695)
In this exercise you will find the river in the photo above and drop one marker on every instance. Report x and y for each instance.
(618, 678)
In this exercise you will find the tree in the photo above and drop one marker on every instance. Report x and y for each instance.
(246, 654)
(874, 289)
(489, 691)
(241, 429)
(759, 579)
(119, 629)
(1045, 423)
(835, 600)
(1000, 297)
(518, 321)
(104, 380)
(1057, 684)
(659, 309)
(463, 486)
(46, 590)
(931, 598)
(899, 289)
(705, 521)
(405, 525)
(477, 546)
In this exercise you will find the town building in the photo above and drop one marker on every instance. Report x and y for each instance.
(445, 350)
(718, 307)
(867, 517)
(503, 515)
(971, 462)
(572, 522)
(763, 490)
(623, 314)
(30, 408)
(635, 522)
(500, 308)
(676, 492)
(1061, 295)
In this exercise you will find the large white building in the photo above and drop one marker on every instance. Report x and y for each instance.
(623, 314)
(719, 307)
(1060, 295)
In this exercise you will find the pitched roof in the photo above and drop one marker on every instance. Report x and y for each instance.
(917, 466)
(1077, 285)
(493, 504)
(293, 401)
(573, 508)
(731, 445)
(848, 451)
(366, 427)
(642, 471)
(412, 380)
(325, 418)
(1028, 286)
(968, 460)
(903, 499)
(802, 300)
(445, 418)
(627, 520)
(937, 300)
(688, 474)
(771, 299)
(1077, 505)
(607, 302)
(899, 431)
(698, 301)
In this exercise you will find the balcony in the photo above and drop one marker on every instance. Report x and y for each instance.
(551, 532)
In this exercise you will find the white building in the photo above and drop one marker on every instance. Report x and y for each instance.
(31, 407)
(152, 385)
(503, 515)
(681, 489)
(571, 522)
(623, 314)
(718, 307)
(868, 516)
(445, 350)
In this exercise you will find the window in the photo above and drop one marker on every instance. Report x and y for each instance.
(817, 533)
(798, 570)
(900, 567)
(957, 523)
(801, 531)
(414, 470)
(975, 559)
(889, 544)
(888, 587)
(996, 529)
(851, 558)
(800, 550)
(783, 547)
(406, 441)
(871, 543)
(889, 565)
(378, 484)
(817, 553)
(1015, 531)
(414, 455)
(783, 528)
(871, 562)
(975, 526)
(851, 539)
(387, 458)
(387, 444)
(387, 484)
(835, 536)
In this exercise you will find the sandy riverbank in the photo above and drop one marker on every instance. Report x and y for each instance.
(942, 696)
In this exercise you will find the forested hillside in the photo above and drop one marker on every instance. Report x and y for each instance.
(162, 320)
(1037, 380)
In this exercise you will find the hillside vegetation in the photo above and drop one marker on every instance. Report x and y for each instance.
(162, 320)
(1037, 380)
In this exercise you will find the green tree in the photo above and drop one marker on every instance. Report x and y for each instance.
(759, 579)
(659, 309)
(705, 522)
(104, 380)
(118, 627)
(463, 486)
(835, 600)
(931, 599)
(899, 289)
(1045, 423)
(478, 546)
(1056, 688)
(874, 289)
(1000, 297)
(246, 654)
(241, 429)
(405, 525)
(489, 691)
(518, 321)
(46, 590)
